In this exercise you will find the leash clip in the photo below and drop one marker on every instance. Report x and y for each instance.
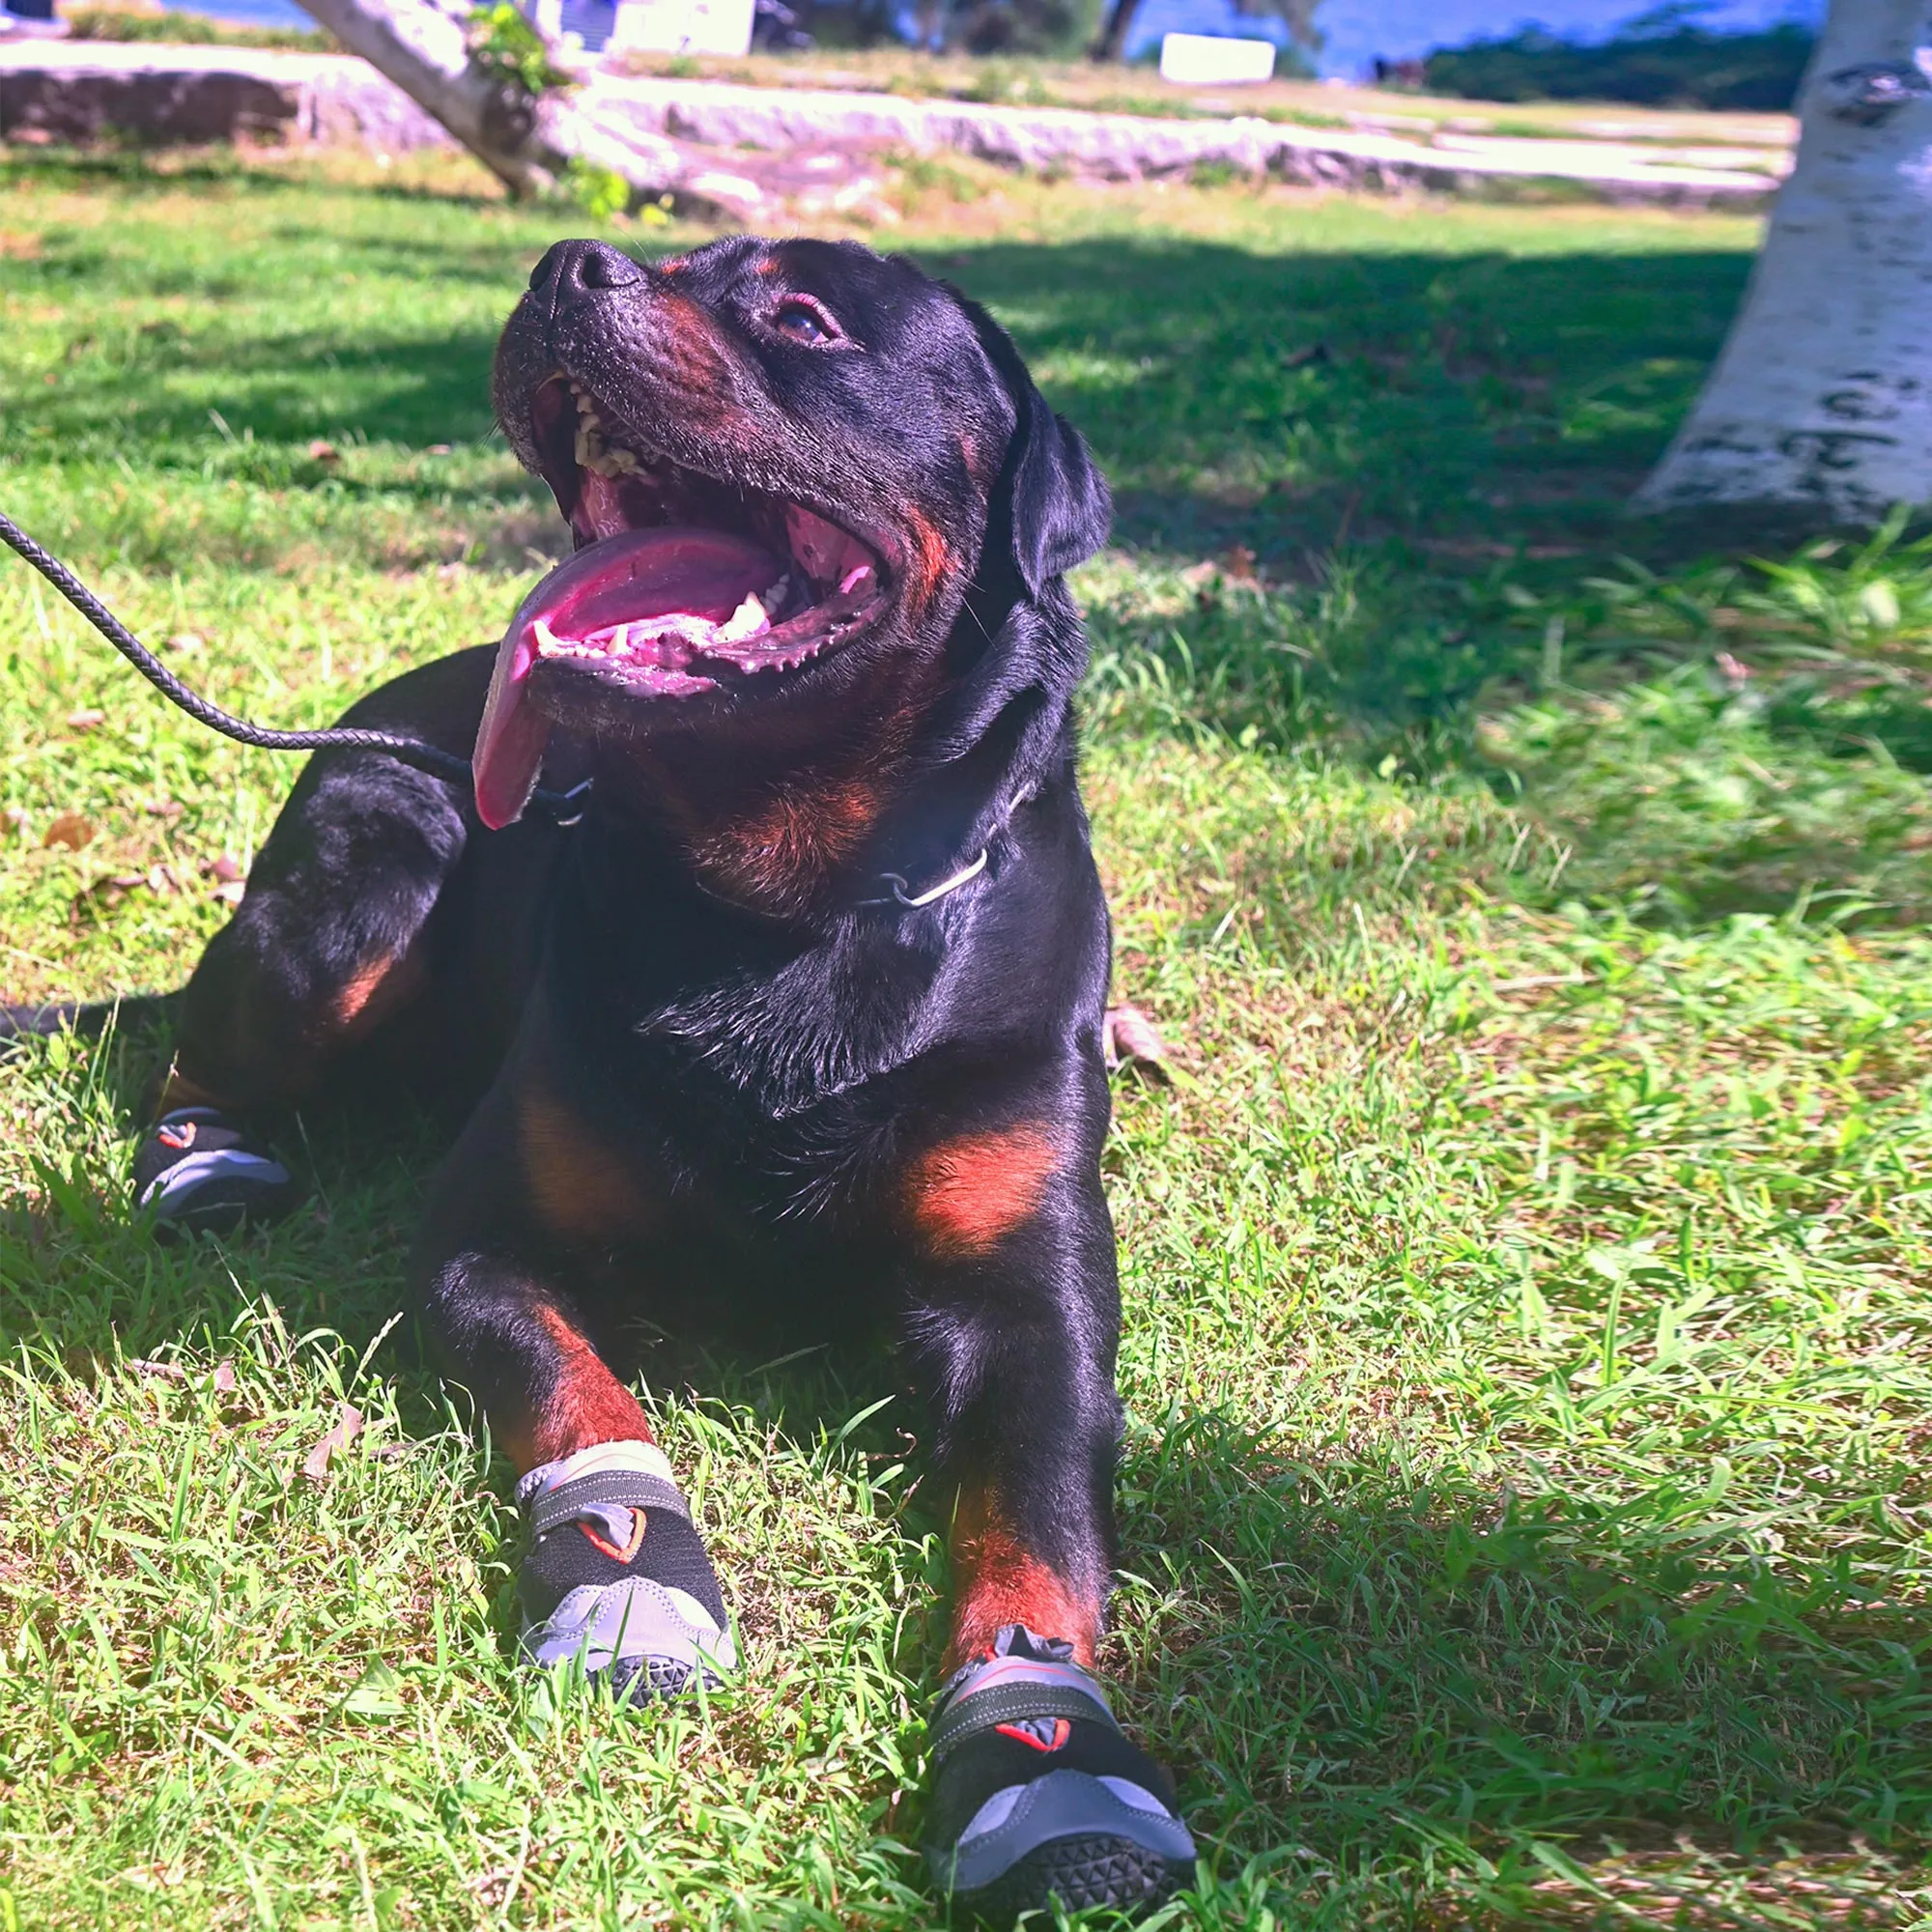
(932, 894)
(554, 802)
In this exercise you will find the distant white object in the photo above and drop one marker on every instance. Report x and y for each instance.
(1208, 60)
(591, 23)
(683, 27)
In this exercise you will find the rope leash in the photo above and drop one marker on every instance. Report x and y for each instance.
(565, 807)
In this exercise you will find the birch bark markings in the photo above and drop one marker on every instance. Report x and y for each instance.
(1823, 393)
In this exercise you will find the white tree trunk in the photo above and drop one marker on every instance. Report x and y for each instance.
(1823, 394)
(528, 143)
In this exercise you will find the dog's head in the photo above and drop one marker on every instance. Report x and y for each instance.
(785, 466)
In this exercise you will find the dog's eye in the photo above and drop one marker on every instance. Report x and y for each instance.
(804, 321)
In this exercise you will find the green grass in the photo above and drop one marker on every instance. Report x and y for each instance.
(1525, 1496)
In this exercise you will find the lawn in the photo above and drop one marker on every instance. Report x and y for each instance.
(1526, 1499)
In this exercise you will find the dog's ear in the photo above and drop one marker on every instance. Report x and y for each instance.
(1058, 507)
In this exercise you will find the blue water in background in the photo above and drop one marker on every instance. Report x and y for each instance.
(1354, 31)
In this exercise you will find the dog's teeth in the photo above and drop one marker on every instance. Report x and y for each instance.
(608, 459)
(745, 621)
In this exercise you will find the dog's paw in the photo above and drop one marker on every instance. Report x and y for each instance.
(1037, 1795)
(618, 1582)
(195, 1177)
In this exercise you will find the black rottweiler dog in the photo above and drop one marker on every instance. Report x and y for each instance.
(803, 1013)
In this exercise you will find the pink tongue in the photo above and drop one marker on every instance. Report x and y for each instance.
(661, 572)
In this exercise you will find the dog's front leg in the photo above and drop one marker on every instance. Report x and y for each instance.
(1036, 1791)
(617, 1577)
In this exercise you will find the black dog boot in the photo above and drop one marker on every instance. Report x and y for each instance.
(197, 1177)
(1037, 1794)
(617, 1577)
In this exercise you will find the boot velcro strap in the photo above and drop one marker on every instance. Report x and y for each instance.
(1006, 1704)
(626, 1489)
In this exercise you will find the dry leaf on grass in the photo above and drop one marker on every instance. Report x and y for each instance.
(493, 1888)
(1131, 1041)
(72, 829)
(168, 1372)
(85, 719)
(231, 881)
(155, 1877)
(348, 1427)
(104, 895)
(184, 643)
(12, 822)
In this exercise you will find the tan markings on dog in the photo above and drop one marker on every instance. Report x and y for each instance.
(370, 995)
(967, 1195)
(582, 1190)
(777, 843)
(997, 1581)
(699, 366)
(930, 558)
(797, 834)
(972, 453)
(585, 1404)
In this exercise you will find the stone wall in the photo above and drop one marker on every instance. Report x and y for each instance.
(97, 90)
(87, 90)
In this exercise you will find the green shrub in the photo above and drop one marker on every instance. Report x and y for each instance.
(112, 23)
(504, 43)
(1685, 67)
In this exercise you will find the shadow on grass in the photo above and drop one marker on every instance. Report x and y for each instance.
(131, 168)
(1348, 1658)
(1332, 1655)
(1290, 399)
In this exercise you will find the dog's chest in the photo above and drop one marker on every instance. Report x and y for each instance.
(760, 1084)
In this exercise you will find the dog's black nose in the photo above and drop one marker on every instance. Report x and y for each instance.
(581, 267)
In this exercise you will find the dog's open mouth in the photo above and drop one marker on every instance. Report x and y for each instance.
(681, 585)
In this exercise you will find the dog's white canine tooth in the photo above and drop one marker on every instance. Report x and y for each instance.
(745, 621)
